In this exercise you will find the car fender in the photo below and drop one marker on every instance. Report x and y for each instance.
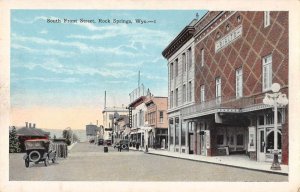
(25, 156)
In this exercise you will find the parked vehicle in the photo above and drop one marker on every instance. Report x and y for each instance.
(123, 144)
(100, 141)
(38, 150)
(107, 142)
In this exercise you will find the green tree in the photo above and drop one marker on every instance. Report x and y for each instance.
(14, 144)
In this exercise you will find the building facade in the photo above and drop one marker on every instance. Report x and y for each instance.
(238, 56)
(181, 74)
(110, 114)
(156, 119)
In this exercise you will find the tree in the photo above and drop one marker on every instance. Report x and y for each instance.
(70, 136)
(14, 144)
(54, 137)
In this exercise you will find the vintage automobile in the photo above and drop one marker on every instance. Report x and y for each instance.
(100, 141)
(38, 150)
(123, 144)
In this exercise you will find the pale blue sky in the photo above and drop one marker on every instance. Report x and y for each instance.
(72, 64)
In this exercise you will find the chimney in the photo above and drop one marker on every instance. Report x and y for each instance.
(29, 125)
(33, 125)
(26, 124)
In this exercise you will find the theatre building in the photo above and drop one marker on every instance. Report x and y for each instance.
(237, 56)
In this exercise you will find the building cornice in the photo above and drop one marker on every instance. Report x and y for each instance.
(186, 34)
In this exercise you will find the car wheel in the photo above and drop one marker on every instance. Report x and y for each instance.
(34, 156)
(26, 162)
(123, 146)
(46, 161)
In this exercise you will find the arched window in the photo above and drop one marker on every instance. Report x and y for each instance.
(270, 141)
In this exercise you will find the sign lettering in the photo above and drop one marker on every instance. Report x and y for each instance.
(229, 38)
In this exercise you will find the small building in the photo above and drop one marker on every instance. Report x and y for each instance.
(110, 114)
(30, 132)
(156, 118)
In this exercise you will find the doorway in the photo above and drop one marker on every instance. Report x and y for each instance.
(191, 143)
(266, 144)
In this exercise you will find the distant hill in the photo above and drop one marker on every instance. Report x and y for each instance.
(58, 132)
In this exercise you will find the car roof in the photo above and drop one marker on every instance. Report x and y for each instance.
(46, 140)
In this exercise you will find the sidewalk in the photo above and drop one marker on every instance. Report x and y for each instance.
(239, 161)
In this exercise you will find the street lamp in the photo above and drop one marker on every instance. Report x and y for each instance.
(275, 99)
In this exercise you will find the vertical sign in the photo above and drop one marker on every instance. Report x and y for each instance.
(252, 139)
(130, 117)
(207, 138)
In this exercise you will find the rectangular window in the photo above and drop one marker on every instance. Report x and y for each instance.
(176, 131)
(267, 73)
(176, 67)
(184, 93)
(184, 62)
(190, 91)
(189, 58)
(161, 116)
(218, 90)
(171, 124)
(141, 115)
(239, 83)
(183, 132)
(240, 139)
(171, 71)
(202, 57)
(176, 97)
(266, 18)
(202, 93)
(171, 100)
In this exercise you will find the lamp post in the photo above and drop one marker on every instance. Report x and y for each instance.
(275, 99)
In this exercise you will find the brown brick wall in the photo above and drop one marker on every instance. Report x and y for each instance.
(247, 52)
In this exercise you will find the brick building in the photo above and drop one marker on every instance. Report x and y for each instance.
(149, 119)
(238, 55)
(156, 118)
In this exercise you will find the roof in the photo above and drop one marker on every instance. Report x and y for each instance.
(26, 131)
(138, 101)
(185, 35)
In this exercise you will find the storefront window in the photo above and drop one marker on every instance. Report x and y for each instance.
(220, 139)
(240, 139)
(261, 120)
(183, 128)
(270, 141)
(177, 131)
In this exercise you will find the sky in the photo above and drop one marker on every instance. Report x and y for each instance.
(60, 70)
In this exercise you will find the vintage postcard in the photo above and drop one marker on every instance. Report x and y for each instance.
(148, 96)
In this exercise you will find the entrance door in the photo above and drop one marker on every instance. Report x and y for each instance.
(261, 153)
(191, 143)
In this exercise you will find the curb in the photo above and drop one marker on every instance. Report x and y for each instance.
(215, 163)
